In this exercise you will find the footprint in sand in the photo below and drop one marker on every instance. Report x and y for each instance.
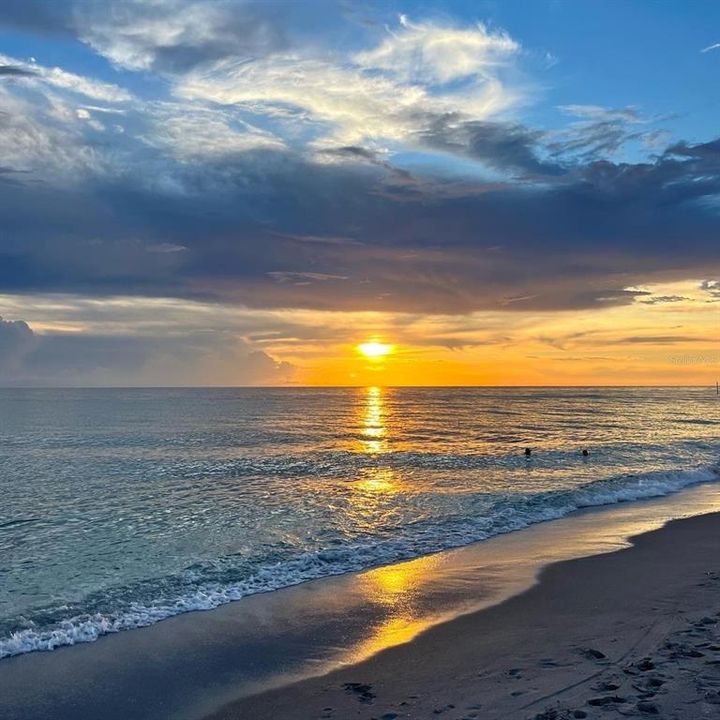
(606, 701)
(362, 691)
(606, 687)
(592, 654)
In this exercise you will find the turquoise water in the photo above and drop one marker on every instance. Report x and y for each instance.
(123, 507)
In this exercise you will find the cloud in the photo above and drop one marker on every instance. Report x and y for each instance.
(42, 136)
(503, 146)
(383, 94)
(167, 36)
(303, 278)
(664, 299)
(712, 287)
(211, 357)
(230, 100)
(56, 77)
(714, 46)
(15, 71)
(708, 151)
(16, 341)
(175, 35)
(430, 54)
(658, 340)
(579, 240)
(193, 133)
(282, 179)
(602, 132)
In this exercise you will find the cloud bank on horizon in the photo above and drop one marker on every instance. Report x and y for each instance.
(225, 154)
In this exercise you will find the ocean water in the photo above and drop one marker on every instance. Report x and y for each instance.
(119, 508)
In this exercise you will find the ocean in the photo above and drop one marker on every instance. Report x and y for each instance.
(122, 507)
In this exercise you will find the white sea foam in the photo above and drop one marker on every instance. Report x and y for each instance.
(515, 513)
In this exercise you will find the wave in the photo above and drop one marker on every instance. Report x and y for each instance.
(196, 591)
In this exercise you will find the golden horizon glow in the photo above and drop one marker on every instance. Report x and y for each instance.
(667, 336)
(373, 349)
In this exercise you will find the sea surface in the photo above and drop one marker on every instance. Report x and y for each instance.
(119, 508)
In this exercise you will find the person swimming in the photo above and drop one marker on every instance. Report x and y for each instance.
(585, 453)
(528, 452)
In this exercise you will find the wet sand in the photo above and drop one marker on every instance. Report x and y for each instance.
(632, 633)
(468, 633)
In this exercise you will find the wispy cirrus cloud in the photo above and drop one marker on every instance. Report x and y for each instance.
(599, 132)
(385, 94)
(32, 73)
(433, 54)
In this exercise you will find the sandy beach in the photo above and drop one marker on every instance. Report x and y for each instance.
(634, 633)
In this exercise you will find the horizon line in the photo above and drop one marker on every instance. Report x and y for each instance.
(339, 387)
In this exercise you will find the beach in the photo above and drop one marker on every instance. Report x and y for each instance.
(610, 609)
(635, 632)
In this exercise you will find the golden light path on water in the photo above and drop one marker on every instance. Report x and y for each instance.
(414, 595)
(374, 493)
(394, 587)
(374, 430)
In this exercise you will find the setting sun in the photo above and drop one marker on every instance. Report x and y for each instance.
(374, 349)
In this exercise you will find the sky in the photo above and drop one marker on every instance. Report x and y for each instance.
(227, 192)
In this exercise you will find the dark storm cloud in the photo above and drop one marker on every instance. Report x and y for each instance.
(247, 221)
(346, 229)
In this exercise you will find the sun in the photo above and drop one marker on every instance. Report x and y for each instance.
(374, 349)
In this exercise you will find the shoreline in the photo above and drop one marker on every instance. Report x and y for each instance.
(194, 665)
(605, 492)
(635, 631)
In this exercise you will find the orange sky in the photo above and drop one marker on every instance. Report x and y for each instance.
(655, 342)
(668, 336)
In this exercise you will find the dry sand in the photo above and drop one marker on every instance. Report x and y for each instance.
(632, 633)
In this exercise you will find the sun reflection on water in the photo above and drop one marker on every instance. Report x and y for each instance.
(377, 480)
(399, 589)
(373, 429)
(375, 489)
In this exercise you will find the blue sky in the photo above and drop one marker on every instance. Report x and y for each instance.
(404, 158)
(606, 52)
